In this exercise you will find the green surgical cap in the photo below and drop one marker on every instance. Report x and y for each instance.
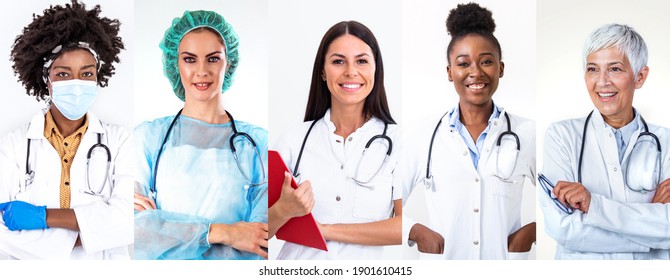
(189, 21)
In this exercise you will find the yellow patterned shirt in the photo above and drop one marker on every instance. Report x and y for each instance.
(66, 148)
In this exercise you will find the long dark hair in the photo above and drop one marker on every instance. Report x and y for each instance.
(319, 95)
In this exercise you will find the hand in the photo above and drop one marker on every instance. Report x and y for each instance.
(522, 239)
(428, 241)
(143, 203)
(295, 202)
(19, 215)
(243, 236)
(573, 195)
(662, 194)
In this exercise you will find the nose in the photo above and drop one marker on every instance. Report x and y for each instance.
(475, 70)
(351, 70)
(603, 79)
(202, 70)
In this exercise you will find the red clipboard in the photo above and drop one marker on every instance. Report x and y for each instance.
(300, 230)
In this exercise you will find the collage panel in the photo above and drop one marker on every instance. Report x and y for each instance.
(335, 89)
(610, 61)
(202, 183)
(65, 187)
(468, 166)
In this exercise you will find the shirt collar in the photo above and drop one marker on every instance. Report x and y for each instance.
(455, 121)
(50, 128)
(628, 129)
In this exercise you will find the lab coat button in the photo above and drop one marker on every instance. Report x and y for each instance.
(338, 141)
(476, 179)
(342, 166)
(476, 210)
(615, 169)
(475, 242)
(495, 123)
(350, 139)
(337, 198)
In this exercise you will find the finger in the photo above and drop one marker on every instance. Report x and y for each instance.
(143, 203)
(287, 180)
(263, 243)
(260, 252)
(264, 226)
(139, 207)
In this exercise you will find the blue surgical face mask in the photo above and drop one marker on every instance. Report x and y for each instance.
(73, 98)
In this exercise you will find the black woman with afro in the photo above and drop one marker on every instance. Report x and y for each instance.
(475, 157)
(65, 187)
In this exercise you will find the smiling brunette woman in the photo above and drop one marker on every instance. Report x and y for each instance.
(474, 158)
(207, 199)
(349, 194)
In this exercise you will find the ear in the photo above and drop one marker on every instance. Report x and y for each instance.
(323, 75)
(449, 73)
(641, 77)
(502, 69)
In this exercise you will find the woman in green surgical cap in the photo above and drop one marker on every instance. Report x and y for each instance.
(202, 189)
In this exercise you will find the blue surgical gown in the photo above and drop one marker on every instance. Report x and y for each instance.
(198, 183)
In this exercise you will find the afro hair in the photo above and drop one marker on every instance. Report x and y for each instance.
(63, 26)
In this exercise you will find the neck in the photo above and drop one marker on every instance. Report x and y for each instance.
(475, 114)
(211, 111)
(65, 125)
(347, 119)
(620, 120)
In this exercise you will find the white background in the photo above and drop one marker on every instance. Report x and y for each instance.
(246, 99)
(427, 93)
(113, 102)
(296, 29)
(562, 28)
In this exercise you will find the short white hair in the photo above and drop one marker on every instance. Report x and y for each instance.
(624, 38)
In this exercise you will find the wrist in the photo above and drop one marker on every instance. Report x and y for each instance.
(218, 234)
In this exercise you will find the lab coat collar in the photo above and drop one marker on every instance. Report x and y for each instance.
(599, 121)
(36, 126)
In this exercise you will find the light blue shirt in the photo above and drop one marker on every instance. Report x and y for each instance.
(624, 134)
(474, 148)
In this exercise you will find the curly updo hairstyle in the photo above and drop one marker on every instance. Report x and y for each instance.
(468, 19)
(64, 26)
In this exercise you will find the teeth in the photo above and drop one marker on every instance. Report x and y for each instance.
(477, 86)
(201, 85)
(351, 86)
(606, 94)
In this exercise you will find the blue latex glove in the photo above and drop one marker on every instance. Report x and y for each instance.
(19, 215)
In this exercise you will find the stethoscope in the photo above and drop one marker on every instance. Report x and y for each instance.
(428, 180)
(635, 188)
(30, 174)
(232, 148)
(363, 183)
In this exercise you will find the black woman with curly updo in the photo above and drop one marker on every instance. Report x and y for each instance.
(474, 158)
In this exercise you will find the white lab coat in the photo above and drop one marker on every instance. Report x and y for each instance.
(621, 223)
(328, 162)
(472, 209)
(106, 224)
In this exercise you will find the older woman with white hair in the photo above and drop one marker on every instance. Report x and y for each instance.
(605, 184)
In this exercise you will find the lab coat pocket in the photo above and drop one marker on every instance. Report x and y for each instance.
(510, 189)
(376, 201)
(518, 255)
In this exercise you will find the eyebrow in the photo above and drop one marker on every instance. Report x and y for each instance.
(70, 68)
(342, 56)
(207, 55)
(608, 64)
(481, 54)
